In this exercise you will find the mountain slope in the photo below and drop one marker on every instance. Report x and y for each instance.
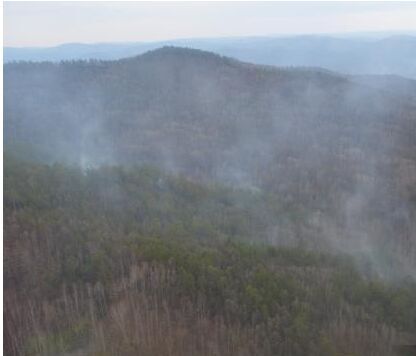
(131, 261)
(284, 223)
(341, 155)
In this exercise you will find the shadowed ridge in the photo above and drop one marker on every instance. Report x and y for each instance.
(183, 53)
(184, 56)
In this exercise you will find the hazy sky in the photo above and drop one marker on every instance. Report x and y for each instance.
(51, 23)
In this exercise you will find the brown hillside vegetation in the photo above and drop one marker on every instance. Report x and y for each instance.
(122, 261)
(183, 203)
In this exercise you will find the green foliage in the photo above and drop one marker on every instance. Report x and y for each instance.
(86, 228)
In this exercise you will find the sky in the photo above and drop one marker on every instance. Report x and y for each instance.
(53, 23)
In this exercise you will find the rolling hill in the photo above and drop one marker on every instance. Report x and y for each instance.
(339, 150)
(181, 203)
(382, 54)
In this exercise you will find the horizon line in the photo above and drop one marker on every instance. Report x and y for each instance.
(387, 34)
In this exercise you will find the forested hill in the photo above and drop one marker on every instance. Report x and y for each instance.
(196, 112)
(183, 203)
(342, 153)
(354, 54)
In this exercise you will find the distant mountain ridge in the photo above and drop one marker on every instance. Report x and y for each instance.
(349, 55)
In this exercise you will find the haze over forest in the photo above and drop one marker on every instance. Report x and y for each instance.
(250, 196)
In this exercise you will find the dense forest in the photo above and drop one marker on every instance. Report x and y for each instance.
(128, 261)
(184, 203)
